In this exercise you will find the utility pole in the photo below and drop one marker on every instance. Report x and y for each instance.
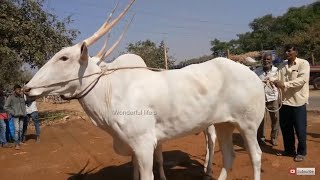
(228, 53)
(165, 55)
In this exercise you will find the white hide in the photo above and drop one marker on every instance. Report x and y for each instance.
(132, 60)
(173, 103)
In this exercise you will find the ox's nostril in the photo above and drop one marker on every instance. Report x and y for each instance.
(26, 90)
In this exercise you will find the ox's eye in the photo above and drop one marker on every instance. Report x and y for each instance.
(64, 58)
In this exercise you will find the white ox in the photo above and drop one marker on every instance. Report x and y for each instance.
(132, 60)
(173, 103)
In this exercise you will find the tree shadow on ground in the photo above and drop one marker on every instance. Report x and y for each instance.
(314, 135)
(31, 136)
(177, 165)
(52, 115)
(268, 148)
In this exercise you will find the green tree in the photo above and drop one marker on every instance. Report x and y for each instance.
(194, 61)
(308, 41)
(152, 54)
(28, 34)
(299, 25)
(219, 48)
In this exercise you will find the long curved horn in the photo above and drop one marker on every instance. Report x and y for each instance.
(113, 10)
(107, 26)
(106, 54)
(100, 53)
(103, 49)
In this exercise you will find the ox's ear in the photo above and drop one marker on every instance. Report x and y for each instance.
(84, 56)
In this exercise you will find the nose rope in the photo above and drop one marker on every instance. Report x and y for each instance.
(60, 82)
(103, 72)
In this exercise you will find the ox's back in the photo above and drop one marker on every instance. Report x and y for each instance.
(216, 91)
(127, 60)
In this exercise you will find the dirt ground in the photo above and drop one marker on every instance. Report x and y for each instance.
(77, 150)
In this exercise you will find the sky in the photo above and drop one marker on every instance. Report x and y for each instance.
(186, 26)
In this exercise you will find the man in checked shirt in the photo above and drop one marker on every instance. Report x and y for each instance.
(272, 103)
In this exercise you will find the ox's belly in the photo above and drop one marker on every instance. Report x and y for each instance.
(176, 127)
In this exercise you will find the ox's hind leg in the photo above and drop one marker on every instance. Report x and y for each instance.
(210, 135)
(224, 133)
(249, 135)
(159, 160)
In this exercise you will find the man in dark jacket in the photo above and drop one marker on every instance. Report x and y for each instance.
(16, 106)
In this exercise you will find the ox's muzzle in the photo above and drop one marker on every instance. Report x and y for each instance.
(26, 90)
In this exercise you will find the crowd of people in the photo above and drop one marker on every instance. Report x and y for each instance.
(20, 109)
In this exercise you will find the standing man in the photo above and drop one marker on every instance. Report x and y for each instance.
(16, 106)
(3, 118)
(293, 79)
(272, 103)
(32, 112)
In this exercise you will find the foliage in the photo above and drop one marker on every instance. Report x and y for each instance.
(219, 48)
(152, 54)
(300, 26)
(30, 35)
(193, 61)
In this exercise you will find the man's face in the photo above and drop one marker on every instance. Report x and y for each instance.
(267, 61)
(291, 54)
(18, 91)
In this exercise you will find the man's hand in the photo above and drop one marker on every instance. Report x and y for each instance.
(278, 84)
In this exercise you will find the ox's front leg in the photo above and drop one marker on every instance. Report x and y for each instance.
(135, 168)
(210, 135)
(143, 150)
(159, 159)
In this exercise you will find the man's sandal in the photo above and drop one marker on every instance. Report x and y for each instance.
(299, 158)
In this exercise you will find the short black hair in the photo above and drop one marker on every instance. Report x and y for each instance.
(16, 86)
(289, 46)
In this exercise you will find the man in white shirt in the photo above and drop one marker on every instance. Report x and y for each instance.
(32, 112)
(265, 72)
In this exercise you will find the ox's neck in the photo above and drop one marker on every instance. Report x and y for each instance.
(96, 102)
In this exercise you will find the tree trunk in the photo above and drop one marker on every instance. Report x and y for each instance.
(312, 59)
